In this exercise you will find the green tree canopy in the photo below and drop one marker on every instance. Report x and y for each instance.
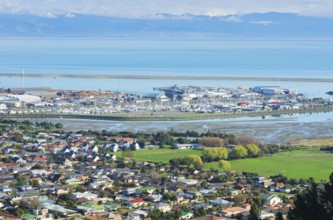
(314, 203)
(239, 152)
(224, 165)
(195, 160)
(214, 154)
(253, 150)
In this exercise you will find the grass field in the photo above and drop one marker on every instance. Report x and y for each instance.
(161, 155)
(315, 142)
(295, 164)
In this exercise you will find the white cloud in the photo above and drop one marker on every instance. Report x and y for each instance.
(148, 8)
(263, 22)
(233, 18)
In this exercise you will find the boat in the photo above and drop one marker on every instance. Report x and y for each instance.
(329, 93)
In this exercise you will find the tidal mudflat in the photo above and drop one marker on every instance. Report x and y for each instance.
(269, 130)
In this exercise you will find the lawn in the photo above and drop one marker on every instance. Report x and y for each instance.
(161, 155)
(295, 164)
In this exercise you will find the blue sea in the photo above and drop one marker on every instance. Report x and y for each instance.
(296, 58)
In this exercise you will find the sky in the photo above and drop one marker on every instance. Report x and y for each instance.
(156, 8)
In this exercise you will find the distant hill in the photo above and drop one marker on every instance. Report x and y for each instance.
(250, 25)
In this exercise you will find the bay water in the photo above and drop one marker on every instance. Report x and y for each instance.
(286, 58)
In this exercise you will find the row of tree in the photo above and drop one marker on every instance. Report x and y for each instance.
(191, 160)
(238, 152)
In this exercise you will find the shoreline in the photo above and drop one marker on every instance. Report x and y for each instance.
(179, 117)
(51, 75)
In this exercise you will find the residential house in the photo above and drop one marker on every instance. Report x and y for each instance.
(163, 207)
(221, 202)
(269, 199)
(7, 166)
(55, 177)
(114, 147)
(87, 195)
(40, 172)
(6, 189)
(155, 198)
(262, 182)
(266, 215)
(25, 187)
(18, 159)
(275, 187)
(190, 182)
(60, 210)
(233, 211)
(40, 159)
(135, 203)
(130, 192)
(188, 146)
(287, 188)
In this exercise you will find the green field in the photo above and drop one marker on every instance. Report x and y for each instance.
(161, 155)
(295, 164)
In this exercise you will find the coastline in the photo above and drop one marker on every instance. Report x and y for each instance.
(171, 116)
(51, 75)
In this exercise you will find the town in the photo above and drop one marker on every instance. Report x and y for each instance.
(46, 173)
(186, 99)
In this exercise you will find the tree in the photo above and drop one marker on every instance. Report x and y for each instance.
(314, 203)
(127, 153)
(279, 216)
(67, 200)
(164, 138)
(59, 126)
(245, 140)
(198, 165)
(224, 165)
(35, 183)
(212, 142)
(17, 137)
(254, 211)
(28, 205)
(239, 152)
(194, 160)
(5, 160)
(253, 150)
(214, 154)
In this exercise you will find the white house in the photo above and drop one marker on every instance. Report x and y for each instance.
(190, 182)
(270, 200)
(266, 215)
(221, 202)
(87, 195)
(163, 207)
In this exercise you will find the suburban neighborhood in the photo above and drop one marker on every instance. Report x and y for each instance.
(47, 173)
